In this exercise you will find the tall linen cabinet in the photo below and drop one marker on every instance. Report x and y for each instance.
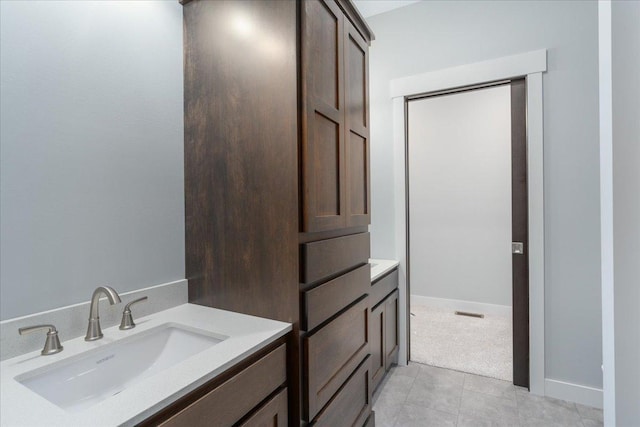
(277, 196)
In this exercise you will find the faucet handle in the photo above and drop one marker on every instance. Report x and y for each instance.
(127, 318)
(52, 344)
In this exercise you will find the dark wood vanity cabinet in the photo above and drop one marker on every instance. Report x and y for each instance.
(384, 325)
(277, 192)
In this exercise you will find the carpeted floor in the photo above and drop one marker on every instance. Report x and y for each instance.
(478, 346)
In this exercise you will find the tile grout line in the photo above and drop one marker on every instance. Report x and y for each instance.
(464, 382)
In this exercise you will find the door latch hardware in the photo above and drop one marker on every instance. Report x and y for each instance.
(517, 248)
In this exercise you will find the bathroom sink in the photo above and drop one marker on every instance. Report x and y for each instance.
(89, 378)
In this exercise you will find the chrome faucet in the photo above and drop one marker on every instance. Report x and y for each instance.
(94, 332)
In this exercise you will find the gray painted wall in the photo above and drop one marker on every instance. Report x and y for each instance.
(460, 193)
(625, 23)
(91, 150)
(433, 35)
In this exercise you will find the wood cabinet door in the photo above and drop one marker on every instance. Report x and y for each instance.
(391, 329)
(356, 70)
(376, 344)
(323, 103)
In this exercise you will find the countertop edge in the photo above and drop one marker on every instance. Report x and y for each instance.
(380, 267)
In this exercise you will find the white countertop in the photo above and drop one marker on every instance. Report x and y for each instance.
(380, 267)
(20, 406)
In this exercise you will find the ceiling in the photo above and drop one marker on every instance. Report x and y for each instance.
(374, 7)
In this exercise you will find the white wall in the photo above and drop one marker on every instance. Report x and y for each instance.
(625, 25)
(460, 196)
(433, 35)
(91, 150)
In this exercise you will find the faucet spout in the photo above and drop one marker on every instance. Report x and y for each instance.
(94, 332)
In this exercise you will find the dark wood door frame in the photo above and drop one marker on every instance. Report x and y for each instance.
(520, 222)
(520, 233)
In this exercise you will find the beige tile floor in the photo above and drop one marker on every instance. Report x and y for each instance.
(423, 396)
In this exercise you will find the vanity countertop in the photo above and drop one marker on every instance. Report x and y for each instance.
(247, 334)
(380, 267)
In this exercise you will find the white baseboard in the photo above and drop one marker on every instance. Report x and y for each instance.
(576, 393)
(461, 305)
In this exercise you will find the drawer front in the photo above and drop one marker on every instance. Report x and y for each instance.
(272, 414)
(383, 287)
(322, 302)
(333, 353)
(232, 400)
(326, 258)
(352, 404)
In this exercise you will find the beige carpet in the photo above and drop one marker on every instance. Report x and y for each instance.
(478, 346)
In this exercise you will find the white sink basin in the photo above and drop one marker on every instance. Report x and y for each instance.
(82, 381)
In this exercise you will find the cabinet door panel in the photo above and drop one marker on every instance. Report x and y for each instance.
(391, 329)
(323, 136)
(358, 200)
(356, 80)
(376, 342)
(326, 169)
(324, 30)
(357, 127)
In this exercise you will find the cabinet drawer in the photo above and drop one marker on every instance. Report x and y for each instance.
(271, 414)
(352, 404)
(333, 353)
(326, 258)
(232, 400)
(383, 287)
(322, 302)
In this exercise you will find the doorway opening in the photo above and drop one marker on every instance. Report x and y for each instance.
(467, 229)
